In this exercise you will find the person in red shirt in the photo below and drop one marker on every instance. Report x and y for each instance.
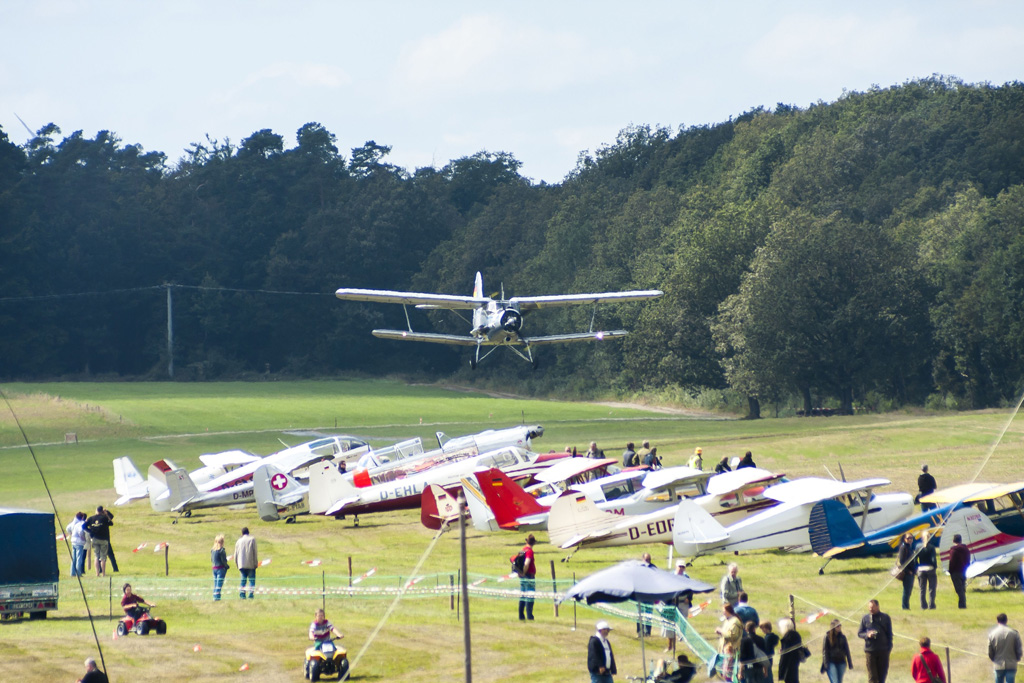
(528, 581)
(131, 603)
(926, 667)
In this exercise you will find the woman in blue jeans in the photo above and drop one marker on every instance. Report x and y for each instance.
(835, 653)
(219, 559)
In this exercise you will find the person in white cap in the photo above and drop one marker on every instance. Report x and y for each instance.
(600, 659)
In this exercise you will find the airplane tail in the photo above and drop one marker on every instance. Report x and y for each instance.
(977, 532)
(479, 511)
(832, 528)
(276, 490)
(507, 499)
(573, 517)
(695, 529)
(479, 314)
(327, 486)
(180, 488)
(437, 508)
(156, 484)
(128, 481)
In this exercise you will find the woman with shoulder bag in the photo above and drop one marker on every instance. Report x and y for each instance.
(835, 653)
(792, 652)
(906, 567)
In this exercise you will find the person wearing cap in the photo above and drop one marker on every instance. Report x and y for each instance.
(926, 485)
(600, 658)
(696, 461)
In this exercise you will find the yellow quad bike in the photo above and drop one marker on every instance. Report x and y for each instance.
(328, 660)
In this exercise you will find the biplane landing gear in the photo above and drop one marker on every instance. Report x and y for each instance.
(472, 363)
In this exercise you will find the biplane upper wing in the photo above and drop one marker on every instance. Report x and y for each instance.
(530, 303)
(448, 301)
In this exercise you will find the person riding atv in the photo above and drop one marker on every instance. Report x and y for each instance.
(324, 657)
(132, 604)
(136, 615)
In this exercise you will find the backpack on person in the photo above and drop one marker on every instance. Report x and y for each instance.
(519, 563)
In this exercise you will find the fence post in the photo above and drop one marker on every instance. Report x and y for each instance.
(323, 590)
(458, 600)
(167, 564)
(349, 571)
(451, 591)
(554, 587)
(574, 604)
(110, 596)
(949, 669)
(792, 609)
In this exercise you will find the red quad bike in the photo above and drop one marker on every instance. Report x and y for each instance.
(143, 625)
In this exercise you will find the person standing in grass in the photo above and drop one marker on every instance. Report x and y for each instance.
(1004, 649)
(926, 667)
(835, 653)
(927, 578)
(732, 585)
(600, 658)
(76, 534)
(246, 559)
(219, 560)
(907, 561)
(876, 630)
(528, 580)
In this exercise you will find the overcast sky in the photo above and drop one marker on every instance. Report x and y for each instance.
(441, 80)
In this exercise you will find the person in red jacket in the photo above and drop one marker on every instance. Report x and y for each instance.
(926, 667)
(528, 581)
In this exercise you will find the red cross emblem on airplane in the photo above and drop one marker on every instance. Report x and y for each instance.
(279, 481)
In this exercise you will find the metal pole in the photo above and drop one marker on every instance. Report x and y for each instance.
(349, 571)
(949, 669)
(554, 587)
(323, 590)
(451, 592)
(643, 629)
(170, 333)
(465, 588)
(574, 604)
(167, 564)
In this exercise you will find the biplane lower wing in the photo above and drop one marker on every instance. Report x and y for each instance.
(405, 335)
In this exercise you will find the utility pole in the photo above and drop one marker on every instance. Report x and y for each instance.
(170, 332)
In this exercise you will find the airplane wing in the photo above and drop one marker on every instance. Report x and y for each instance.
(413, 298)
(579, 336)
(813, 489)
(727, 482)
(1000, 564)
(669, 476)
(530, 303)
(405, 335)
(226, 458)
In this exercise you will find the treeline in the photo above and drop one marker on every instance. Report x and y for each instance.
(866, 251)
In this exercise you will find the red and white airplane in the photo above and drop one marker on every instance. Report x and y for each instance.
(993, 552)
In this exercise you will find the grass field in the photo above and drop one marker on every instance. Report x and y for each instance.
(422, 639)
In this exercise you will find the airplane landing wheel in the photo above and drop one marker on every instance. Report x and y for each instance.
(188, 513)
(534, 363)
(472, 363)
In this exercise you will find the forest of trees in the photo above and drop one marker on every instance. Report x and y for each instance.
(866, 251)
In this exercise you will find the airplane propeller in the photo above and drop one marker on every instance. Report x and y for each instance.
(511, 320)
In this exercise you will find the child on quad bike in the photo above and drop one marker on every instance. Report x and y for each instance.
(133, 605)
(320, 630)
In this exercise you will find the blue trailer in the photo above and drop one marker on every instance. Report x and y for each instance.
(29, 573)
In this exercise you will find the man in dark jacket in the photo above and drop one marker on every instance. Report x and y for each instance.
(629, 458)
(600, 658)
(959, 560)
(925, 485)
(876, 630)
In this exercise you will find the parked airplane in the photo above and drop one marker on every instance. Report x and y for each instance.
(183, 495)
(496, 322)
(1001, 503)
(331, 493)
(576, 521)
(835, 534)
(130, 484)
(786, 525)
(993, 553)
(398, 469)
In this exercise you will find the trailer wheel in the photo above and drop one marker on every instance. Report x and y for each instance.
(37, 615)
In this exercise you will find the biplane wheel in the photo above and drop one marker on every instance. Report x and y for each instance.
(472, 363)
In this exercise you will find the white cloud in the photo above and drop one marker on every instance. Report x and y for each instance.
(489, 54)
